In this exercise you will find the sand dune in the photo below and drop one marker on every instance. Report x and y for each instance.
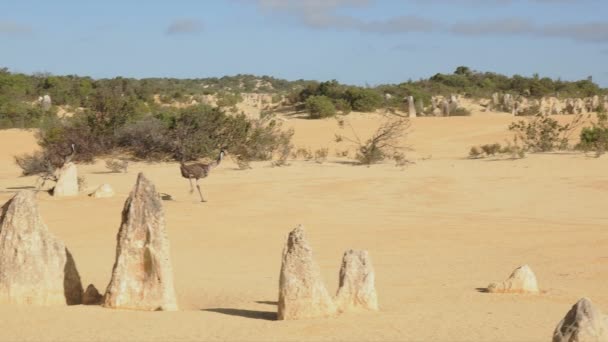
(436, 231)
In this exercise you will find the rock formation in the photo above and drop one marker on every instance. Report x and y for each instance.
(445, 107)
(411, 107)
(103, 191)
(91, 296)
(357, 288)
(67, 181)
(35, 267)
(522, 280)
(420, 107)
(583, 323)
(302, 293)
(142, 277)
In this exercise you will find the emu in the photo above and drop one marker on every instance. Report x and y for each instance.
(199, 170)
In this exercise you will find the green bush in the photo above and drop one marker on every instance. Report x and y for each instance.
(543, 133)
(320, 107)
(364, 100)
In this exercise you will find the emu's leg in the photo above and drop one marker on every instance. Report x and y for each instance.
(199, 191)
(191, 186)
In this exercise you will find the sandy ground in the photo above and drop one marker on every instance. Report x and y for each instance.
(437, 231)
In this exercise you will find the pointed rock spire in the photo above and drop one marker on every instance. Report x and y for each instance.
(35, 267)
(142, 277)
(302, 293)
(357, 282)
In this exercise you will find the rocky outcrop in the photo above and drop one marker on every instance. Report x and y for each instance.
(142, 277)
(91, 296)
(36, 268)
(103, 191)
(583, 323)
(357, 288)
(67, 181)
(522, 280)
(302, 293)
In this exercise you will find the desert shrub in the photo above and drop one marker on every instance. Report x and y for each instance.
(384, 143)
(512, 148)
(490, 149)
(304, 153)
(364, 100)
(459, 111)
(320, 107)
(595, 138)
(34, 164)
(117, 165)
(400, 159)
(475, 152)
(83, 131)
(343, 106)
(147, 139)
(256, 140)
(321, 155)
(543, 133)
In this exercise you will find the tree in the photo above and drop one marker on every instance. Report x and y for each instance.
(320, 107)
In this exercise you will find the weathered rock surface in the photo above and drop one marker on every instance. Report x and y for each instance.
(103, 191)
(67, 181)
(522, 280)
(583, 323)
(302, 293)
(142, 277)
(357, 288)
(91, 296)
(411, 107)
(35, 267)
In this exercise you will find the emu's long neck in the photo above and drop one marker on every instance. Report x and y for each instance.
(219, 159)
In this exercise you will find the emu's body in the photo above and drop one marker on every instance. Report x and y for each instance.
(197, 171)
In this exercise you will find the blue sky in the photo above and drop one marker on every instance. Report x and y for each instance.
(353, 41)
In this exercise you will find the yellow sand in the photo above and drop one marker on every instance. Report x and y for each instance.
(436, 232)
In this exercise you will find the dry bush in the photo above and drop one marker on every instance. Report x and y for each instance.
(384, 143)
(304, 153)
(117, 165)
(34, 164)
(321, 155)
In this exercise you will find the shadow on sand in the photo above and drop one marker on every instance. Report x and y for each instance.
(265, 315)
(268, 302)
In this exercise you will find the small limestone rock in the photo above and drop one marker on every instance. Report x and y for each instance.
(302, 293)
(67, 181)
(583, 323)
(103, 191)
(142, 277)
(35, 267)
(357, 282)
(522, 280)
(91, 296)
